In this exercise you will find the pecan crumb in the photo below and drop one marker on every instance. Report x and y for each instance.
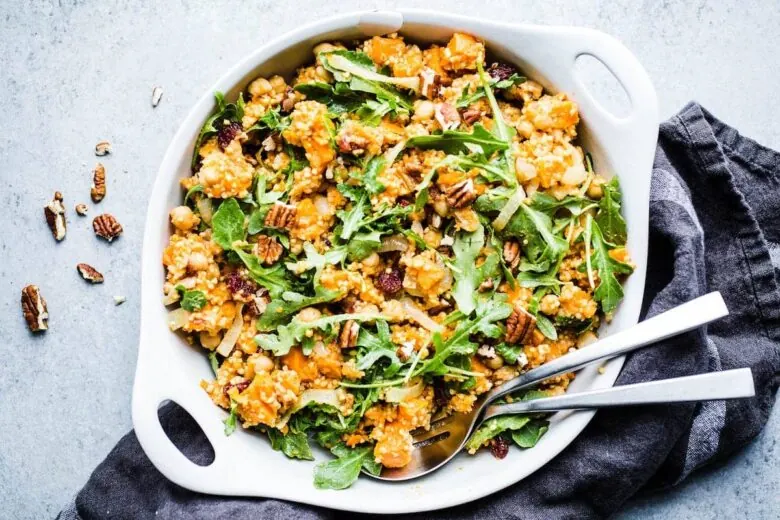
(280, 216)
(157, 93)
(349, 334)
(102, 148)
(81, 209)
(519, 326)
(34, 309)
(89, 273)
(106, 226)
(512, 253)
(98, 190)
(55, 216)
(471, 115)
(267, 249)
(461, 194)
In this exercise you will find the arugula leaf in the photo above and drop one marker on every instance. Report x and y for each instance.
(494, 427)
(467, 98)
(546, 327)
(609, 291)
(510, 353)
(288, 336)
(192, 300)
(466, 249)
(487, 313)
(372, 112)
(343, 471)
(373, 348)
(363, 244)
(227, 224)
(315, 260)
(293, 444)
(231, 420)
(529, 435)
(214, 362)
(225, 111)
(198, 188)
(287, 304)
(608, 217)
(338, 99)
(272, 278)
(455, 142)
(540, 245)
(351, 219)
(372, 170)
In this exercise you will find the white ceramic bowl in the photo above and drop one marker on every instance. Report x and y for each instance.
(169, 369)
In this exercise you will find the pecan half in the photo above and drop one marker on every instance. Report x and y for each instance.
(106, 226)
(519, 326)
(102, 148)
(34, 309)
(430, 82)
(89, 273)
(98, 190)
(281, 216)
(81, 209)
(512, 253)
(447, 116)
(267, 249)
(55, 216)
(349, 334)
(157, 93)
(461, 194)
(471, 115)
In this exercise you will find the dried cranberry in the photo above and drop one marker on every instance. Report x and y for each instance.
(499, 447)
(440, 396)
(390, 283)
(227, 133)
(241, 287)
(240, 386)
(404, 202)
(501, 71)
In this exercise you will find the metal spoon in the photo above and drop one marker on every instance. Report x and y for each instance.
(446, 437)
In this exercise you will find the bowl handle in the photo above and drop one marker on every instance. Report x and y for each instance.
(643, 115)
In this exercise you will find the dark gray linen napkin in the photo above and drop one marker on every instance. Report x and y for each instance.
(714, 225)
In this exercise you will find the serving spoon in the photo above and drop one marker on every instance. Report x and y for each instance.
(438, 445)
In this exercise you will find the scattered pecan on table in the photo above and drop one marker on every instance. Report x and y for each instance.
(98, 191)
(34, 309)
(89, 273)
(106, 226)
(55, 216)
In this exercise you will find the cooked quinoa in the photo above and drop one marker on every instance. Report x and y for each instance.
(389, 235)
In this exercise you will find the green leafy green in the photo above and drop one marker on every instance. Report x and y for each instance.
(609, 292)
(546, 327)
(541, 246)
(529, 435)
(214, 362)
(494, 427)
(608, 218)
(293, 444)
(352, 218)
(285, 305)
(273, 278)
(225, 112)
(287, 336)
(343, 471)
(466, 248)
(315, 260)
(371, 112)
(357, 69)
(467, 98)
(232, 419)
(510, 353)
(198, 188)
(192, 300)
(373, 168)
(227, 224)
(375, 347)
(363, 244)
(455, 142)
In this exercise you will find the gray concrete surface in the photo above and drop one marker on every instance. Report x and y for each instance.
(74, 72)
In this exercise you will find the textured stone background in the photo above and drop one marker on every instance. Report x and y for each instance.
(73, 72)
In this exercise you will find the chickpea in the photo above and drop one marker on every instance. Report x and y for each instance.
(494, 363)
(260, 87)
(263, 363)
(278, 84)
(209, 341)
(594, 190)
(525, 128)
(309, 314)
(209, 177)
(423, 110)
(525, 170)
(183, 218)
(322, 73)
(197, 262)
(324, 47)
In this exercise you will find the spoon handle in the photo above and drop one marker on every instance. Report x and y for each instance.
(729, 384)
(685, 317)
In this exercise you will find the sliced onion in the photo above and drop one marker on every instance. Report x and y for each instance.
(231, 336)
(322, 206)
(205, 209)
(417, 227)
(509, 209)
(398, 394)
(416, 314)
(178, 318)
(392, 154)
(320, 396)
(393, 243)
(343, 64)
